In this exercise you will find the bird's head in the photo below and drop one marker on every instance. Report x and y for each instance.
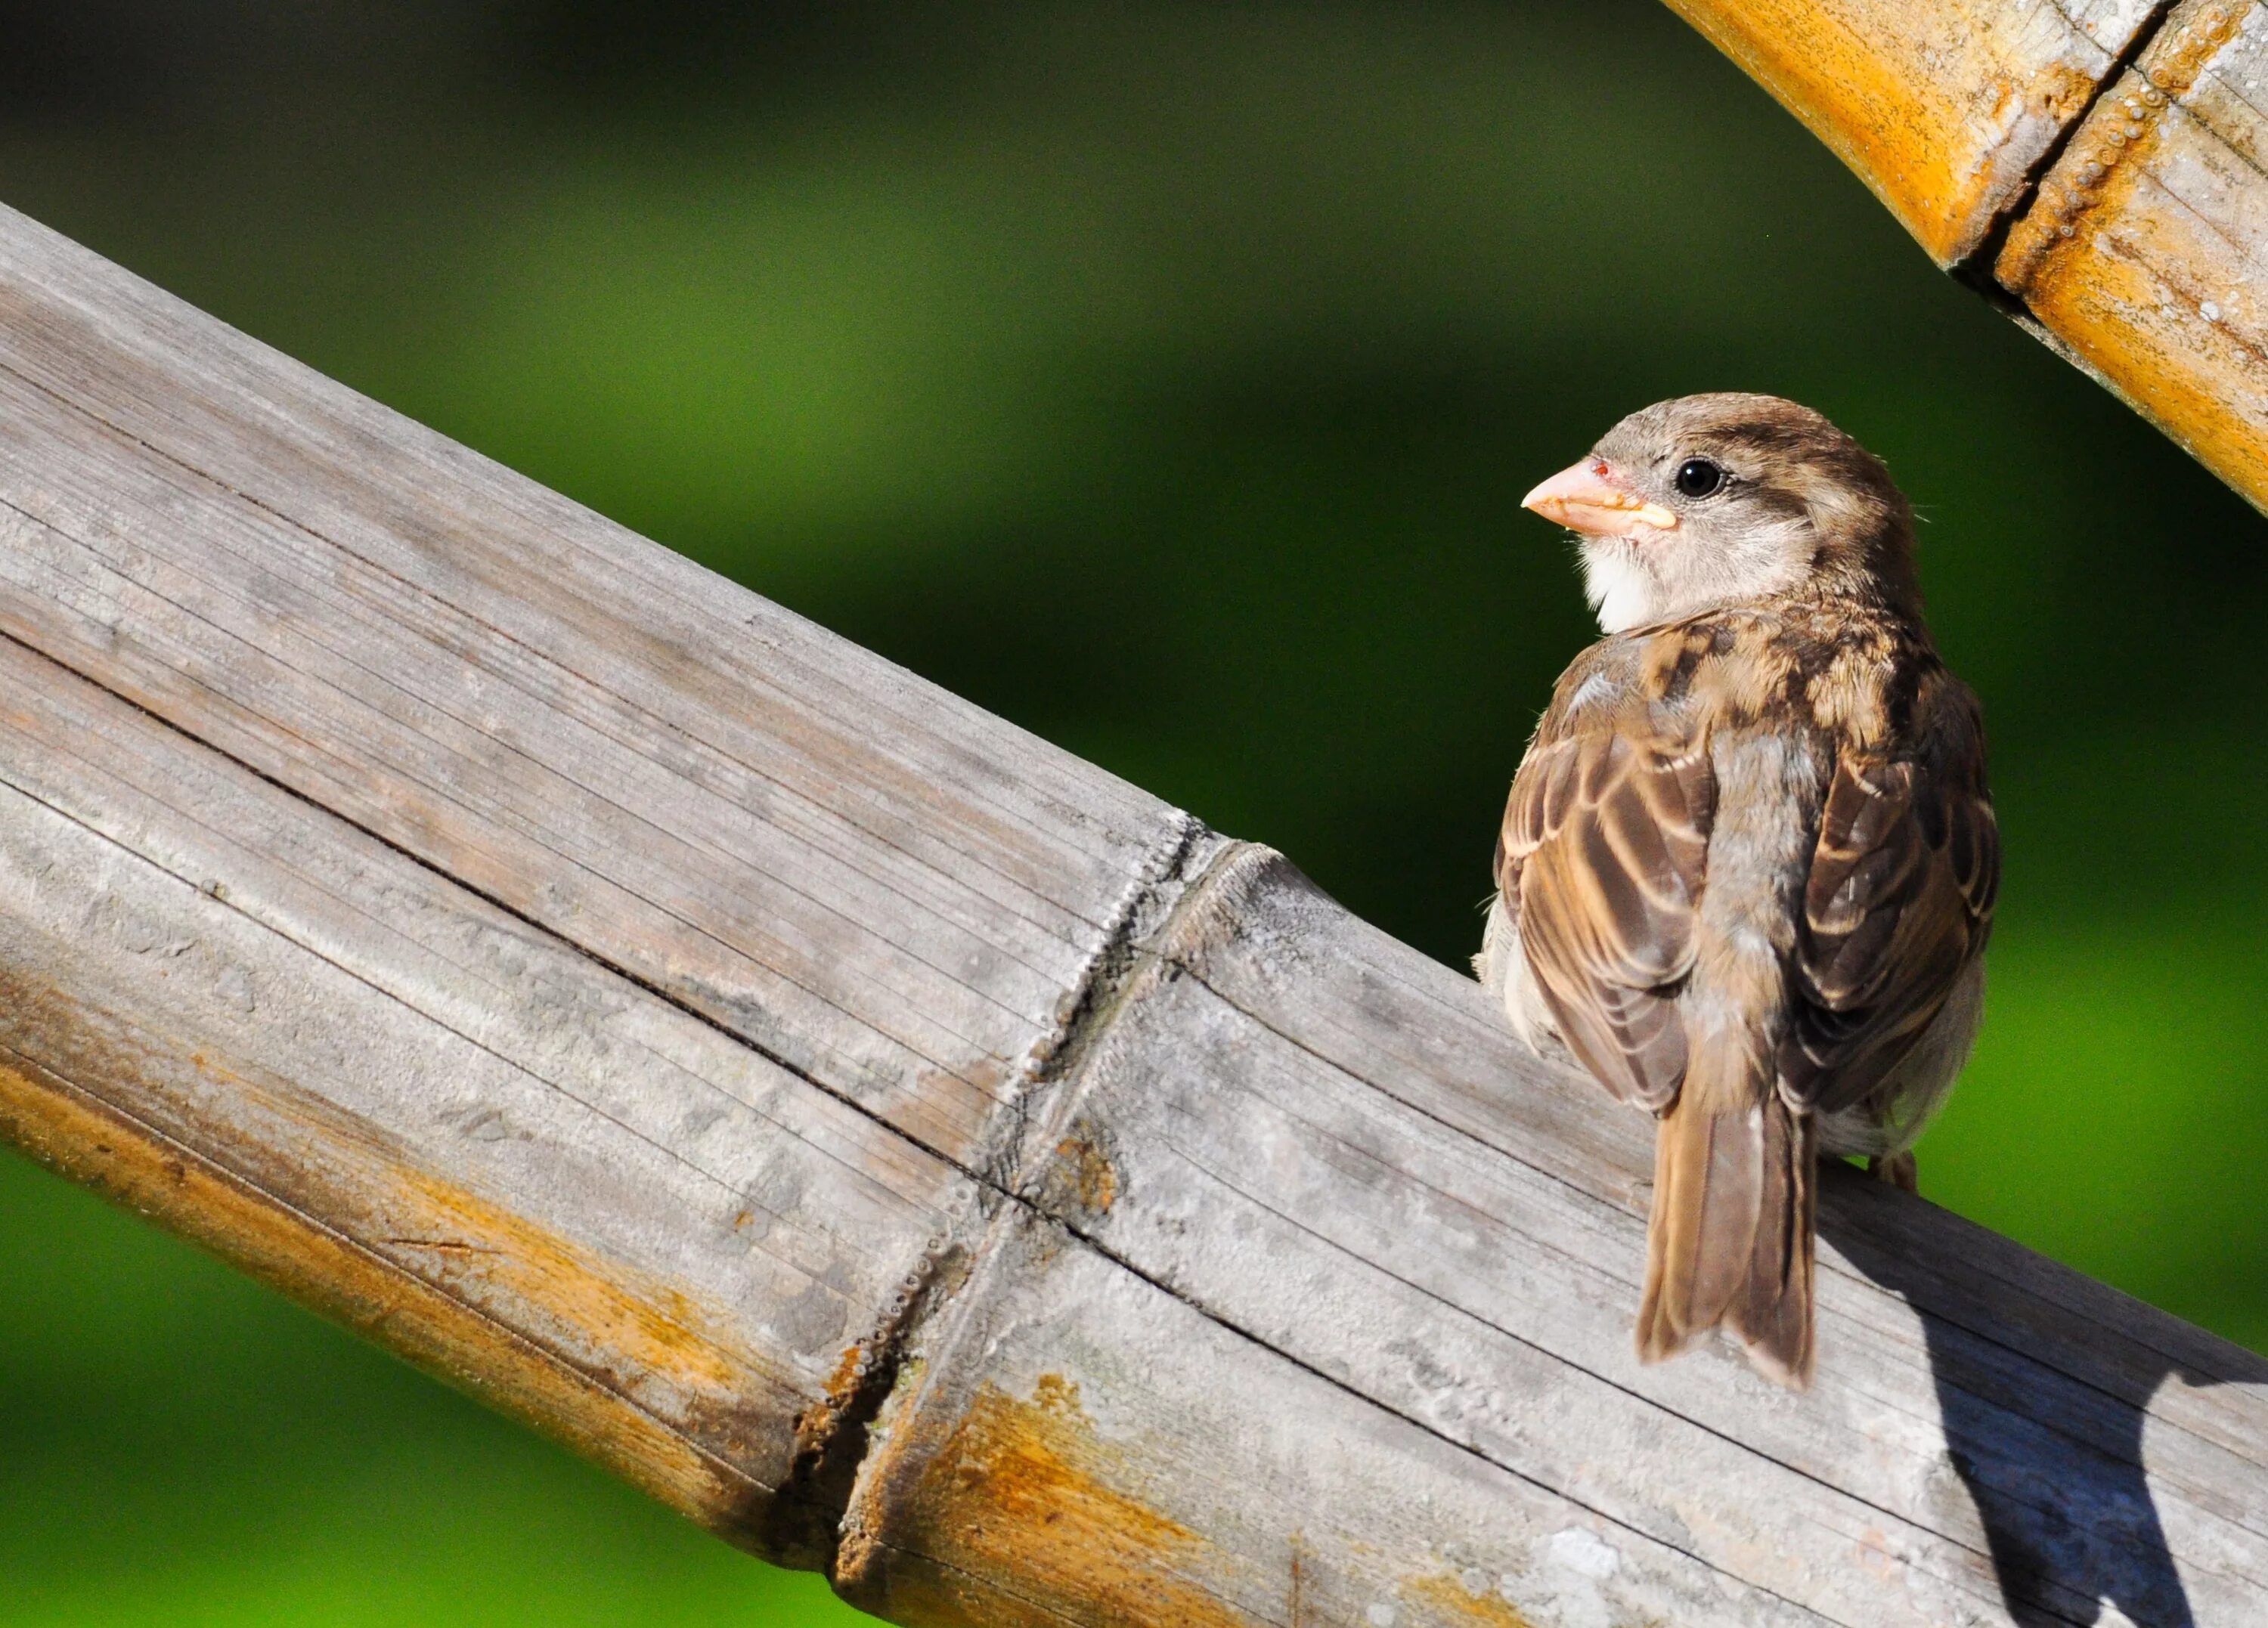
(1706, 503)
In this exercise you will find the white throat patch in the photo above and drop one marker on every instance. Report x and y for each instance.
(1621, 591)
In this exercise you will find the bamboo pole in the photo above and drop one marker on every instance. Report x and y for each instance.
(2099, 169)
(900, 1147)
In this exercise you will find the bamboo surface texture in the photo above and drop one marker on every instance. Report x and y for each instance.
(896, 1144)
(2098, 166)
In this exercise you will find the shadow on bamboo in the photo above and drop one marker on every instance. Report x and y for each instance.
(2055, 1467)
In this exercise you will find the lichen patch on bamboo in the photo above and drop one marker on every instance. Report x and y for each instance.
(1083, 1175)
(1025, 1488)
(1469, 1597)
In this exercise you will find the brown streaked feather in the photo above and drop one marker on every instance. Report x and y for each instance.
(1729, 1234)
(1774, 1315)
(1604, 843)
(1897, 904)
(1603, 857)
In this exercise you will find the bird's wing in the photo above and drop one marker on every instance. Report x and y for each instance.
(1602, 854)
(1898, 903)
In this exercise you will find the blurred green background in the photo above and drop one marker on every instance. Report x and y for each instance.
(1164, 378)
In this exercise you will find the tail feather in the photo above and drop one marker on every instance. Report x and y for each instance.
(1729, 1240)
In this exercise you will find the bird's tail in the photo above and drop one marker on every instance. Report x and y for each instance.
(1729, 1240)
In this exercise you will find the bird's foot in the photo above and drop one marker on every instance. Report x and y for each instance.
(1898, 1170)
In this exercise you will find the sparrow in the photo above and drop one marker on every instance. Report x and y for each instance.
(1746, 873)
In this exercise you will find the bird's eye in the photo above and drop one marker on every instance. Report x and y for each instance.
(1698, 477)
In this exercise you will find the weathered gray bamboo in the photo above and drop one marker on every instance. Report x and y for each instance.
(896, 1144)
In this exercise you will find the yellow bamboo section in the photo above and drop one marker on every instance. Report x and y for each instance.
(2105, 164)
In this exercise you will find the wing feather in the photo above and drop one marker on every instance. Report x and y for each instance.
(1898, 902)
(1604, 843)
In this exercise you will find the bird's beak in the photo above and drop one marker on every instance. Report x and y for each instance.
(1585, 497)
